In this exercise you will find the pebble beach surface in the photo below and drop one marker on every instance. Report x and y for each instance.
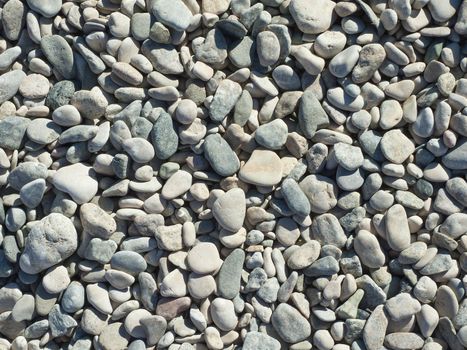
(233, 174)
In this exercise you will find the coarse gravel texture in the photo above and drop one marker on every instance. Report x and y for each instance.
(233, 174)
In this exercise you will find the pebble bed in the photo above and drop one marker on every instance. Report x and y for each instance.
(233, 174)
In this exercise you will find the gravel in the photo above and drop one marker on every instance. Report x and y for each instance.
(224, 174)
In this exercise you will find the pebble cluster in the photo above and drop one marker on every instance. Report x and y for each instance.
(233, 174)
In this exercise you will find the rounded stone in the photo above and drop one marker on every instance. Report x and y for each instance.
(223, 314)
(204, 258)
(50, 241)
(291, 326)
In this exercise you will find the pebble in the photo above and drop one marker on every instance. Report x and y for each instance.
(308, 19)
(304, 256)
(311, 115)
(47, 9)
(402, 306)
(164, 137)
(272, 135)
(367, 247)
(291, 326)
(227, 94)
(260, 341)
(263, 168)
(401, 340)
(12, 131)
(96, 221)
(34, 86)
(220, 156)
(223, 314)
(56, 280)
(229, 210)
(43, 131)
(203, 258)
(73, 298)
(56, 236)
(59, 54)
(174, 14)
(320, 191)
(78, 181)
(396, 147)
(114, 336)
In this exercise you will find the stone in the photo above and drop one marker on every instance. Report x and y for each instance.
(402, 306)
(260, 341)
(311, 115)
(164, 138)
(368, 249)
(349, 157)
(12, 129)
(13, 19)
(50, 241)
(308, 19)
(43, 131)
(397, 228)
(371, 56)
(77, 180)
(73, 298)
(396, 147)
(223, 314)
(326, 229)
(220, 156)
(91, 104)
(291, 326)
(179, 183)
(34, 86)
(263, 168)
(229, 209)
(140, 150)
(114, 336)
(321, 191)
(272, 135)
(24, 309)
(47, 9)
(96, 221)
(169, 237)
(174, 14)
(59, 96)
(225, 98)
(56, 279)
(92, 321)
(403, 341)
(133, 322)
(98, 296)
(129, 262)
(154, 327)
(375, 329)
(58, 52)
(229, 275)
(204, 258)
(456, 158)
(201, 286)
(304, 256)
(26, 173)
(60, 323)
(295, 198)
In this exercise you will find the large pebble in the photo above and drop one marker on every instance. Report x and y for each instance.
(291, 326)
(204, 258)
(50, 241)
(77, 180)
(263, 168)
(312, 18)
(229, 209)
